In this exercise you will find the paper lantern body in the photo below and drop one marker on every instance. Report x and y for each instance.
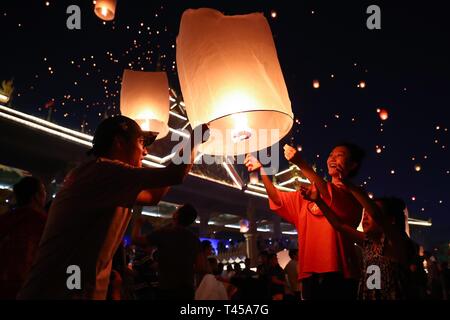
(230, 78)
(144, 97)
(105, 9)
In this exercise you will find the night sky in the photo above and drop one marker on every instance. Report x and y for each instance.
(405, 68)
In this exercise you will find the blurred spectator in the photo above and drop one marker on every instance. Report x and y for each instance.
(20, 232)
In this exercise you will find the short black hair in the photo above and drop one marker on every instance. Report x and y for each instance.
(293, 253)
(357, 155)
(186, 214)
(395, 208)
(25, 190)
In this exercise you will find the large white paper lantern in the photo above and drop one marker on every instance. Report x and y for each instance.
(230, 78)
(144, 97)
(105, 9)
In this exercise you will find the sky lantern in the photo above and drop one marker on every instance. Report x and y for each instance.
(230, 78)
(316, 84)
(144, 97)
(105, 9)
(383, 113)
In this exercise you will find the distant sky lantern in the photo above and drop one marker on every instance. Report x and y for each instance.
(417, 167)
(230, 78)
(244, 225)
(383, 113)
(316, 84)
(105, 9)
(144, 97)
(3, 98)
(362, 84)
(273, 14)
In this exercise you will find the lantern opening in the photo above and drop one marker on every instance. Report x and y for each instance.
(104, 12)
(241, 131)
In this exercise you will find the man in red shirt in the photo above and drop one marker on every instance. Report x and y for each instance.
(327, 262)
(20, 231)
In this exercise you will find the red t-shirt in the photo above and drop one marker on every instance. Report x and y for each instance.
(321, 248)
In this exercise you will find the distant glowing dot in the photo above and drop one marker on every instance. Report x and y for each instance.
(423, 209)
(362, 85)
(378, 150)
(392, 171)
(436, 141)
(312, 11)
(47, 3)
(355, 64)
(417, 167)
(413, 158)
(437, 127)
(425, 157)
(370, 195)
(316, 84)
(440, 201)
(413, 198)
(332, 75)
(317, 156)
(299, 148)
(336, 116)
(273, 14)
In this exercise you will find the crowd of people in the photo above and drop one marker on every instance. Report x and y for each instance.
(87, 220)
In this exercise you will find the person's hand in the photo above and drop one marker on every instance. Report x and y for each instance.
(310, 193)
(252, 163)
(291, 154)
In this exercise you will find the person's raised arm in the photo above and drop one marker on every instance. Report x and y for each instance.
(313, 194)
(253, 164)
(292, 155)
(151, 197)
(174, 173)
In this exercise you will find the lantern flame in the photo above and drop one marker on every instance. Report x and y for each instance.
(241, 131)
(104, 11)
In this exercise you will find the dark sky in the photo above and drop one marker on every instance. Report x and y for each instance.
(405, 67)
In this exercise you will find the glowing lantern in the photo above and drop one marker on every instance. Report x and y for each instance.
(383, 113)
(316, 84)
(105, 9)
(144, 97)
(3, 98)
(231, 78)
(417, 167)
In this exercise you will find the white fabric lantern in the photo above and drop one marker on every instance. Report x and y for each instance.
(230, 78)
(105, 9)
(144, 97)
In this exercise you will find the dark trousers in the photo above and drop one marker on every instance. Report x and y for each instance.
(329, 286)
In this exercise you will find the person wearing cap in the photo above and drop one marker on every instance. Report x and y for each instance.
(89, 216)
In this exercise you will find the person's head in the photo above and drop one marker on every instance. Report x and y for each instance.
(220, 267)
(273, 259)
(30, 191)
(392, 209)
(185, 215)
(347, 155)
(207, 248)
(293, 254)
(263, 257)
(247, 263)
(121, 138)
